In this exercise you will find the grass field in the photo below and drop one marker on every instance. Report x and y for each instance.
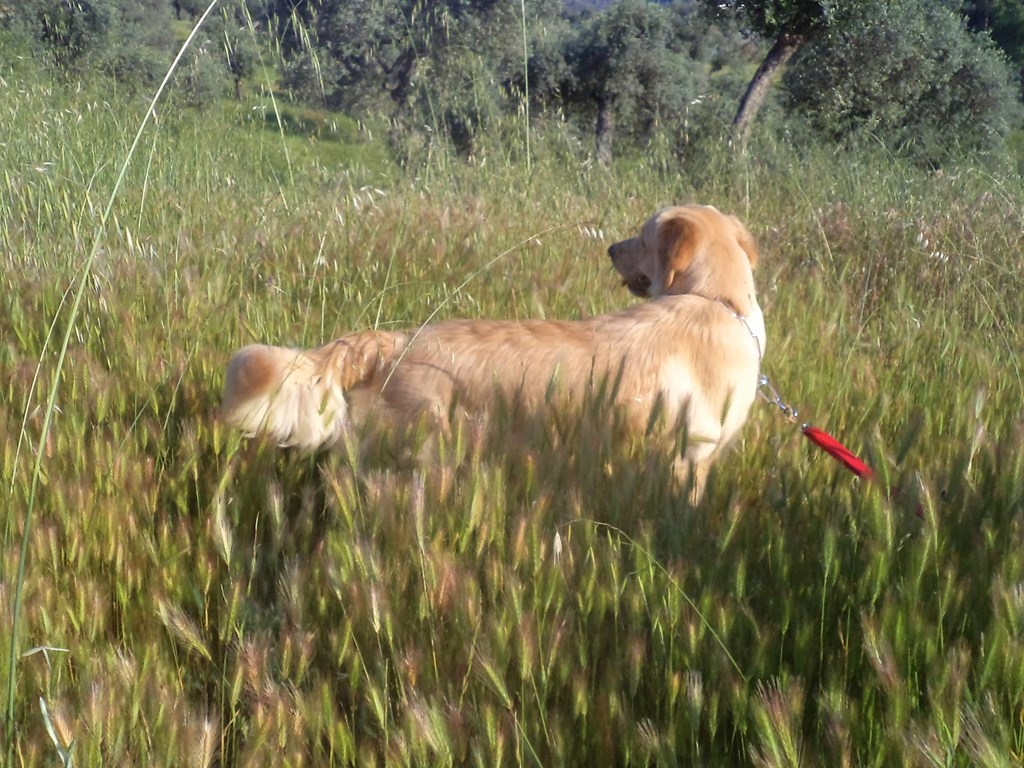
(189, 598)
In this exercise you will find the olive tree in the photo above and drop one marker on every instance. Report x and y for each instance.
(639, 66)
(128, 39)
(910, 73)
(788, 24)
(443, 64)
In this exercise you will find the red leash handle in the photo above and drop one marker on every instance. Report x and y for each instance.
(838, 451)
(822, 439)
(819, 437)
(845, 456)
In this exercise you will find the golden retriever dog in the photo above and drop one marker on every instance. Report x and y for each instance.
(688, 359)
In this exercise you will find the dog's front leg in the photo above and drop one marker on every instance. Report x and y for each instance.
(690, 476)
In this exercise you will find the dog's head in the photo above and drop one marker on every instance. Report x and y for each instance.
(687, 249)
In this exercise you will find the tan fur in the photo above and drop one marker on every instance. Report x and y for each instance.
(694, 351)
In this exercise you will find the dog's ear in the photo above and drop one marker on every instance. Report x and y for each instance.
(677, 244)
(746, 241)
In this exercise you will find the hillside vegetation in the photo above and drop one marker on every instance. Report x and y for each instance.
(187, 597)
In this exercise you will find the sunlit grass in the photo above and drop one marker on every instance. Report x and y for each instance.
(226, 603)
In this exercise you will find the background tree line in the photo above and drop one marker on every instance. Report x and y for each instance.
(927, 78)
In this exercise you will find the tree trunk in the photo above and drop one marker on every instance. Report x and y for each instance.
(399, 76)
(787, 44)
(605, 130)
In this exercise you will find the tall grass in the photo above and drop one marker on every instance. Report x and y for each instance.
(222, 602)
(75, 294)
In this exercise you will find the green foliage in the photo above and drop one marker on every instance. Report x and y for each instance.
(69, 32)
(652, 69)
(909, 74)
(188, 8)
(771, 18)
(125, 38)
(203, 77)
(134, 42)
(446, 65)
(639, 74)
(242, 54)
(626, 54)
(1004, 21)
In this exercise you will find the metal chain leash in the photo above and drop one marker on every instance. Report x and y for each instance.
(772, 397)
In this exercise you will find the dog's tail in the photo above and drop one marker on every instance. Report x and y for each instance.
(297, 397)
